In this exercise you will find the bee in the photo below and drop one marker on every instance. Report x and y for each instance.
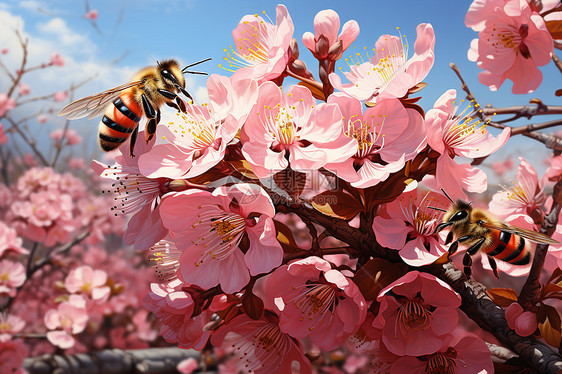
(480, 230)
(124, 106)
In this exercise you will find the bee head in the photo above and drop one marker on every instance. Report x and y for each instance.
(171, 73)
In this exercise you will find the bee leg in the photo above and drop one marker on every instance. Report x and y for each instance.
(180, 106)
(453, 248)
(150, 128)
(173, 105)
(494, 266)
(148, 109)
(183, 91)
(475, 247)
(467, 262)
(449, 238)
(133, 140)
(167, 94)
(441, 226)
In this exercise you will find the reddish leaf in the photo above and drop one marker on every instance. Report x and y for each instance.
(502, 296)
(244, 168)
(551, 289)
(291, 181)
(337, 204)
(285, 238)
(558, 92)
(555, 29)
(549, 324)
(417, 87)
(318, 94)
(376, 274)
(252, 305)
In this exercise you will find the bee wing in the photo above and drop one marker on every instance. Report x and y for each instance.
(533, 236)
(95, 105)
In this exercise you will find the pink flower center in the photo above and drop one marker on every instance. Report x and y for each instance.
(252, 48)
(440, 363)
(315, 300)
(506, 38)
(279, 122)
(370, 139)
(463, 130)
(265, 347)
(164, 256)
(224, 233)
(412, 314)
(132, 191)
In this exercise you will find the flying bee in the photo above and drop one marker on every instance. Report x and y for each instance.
(480, 230)
(123, 106)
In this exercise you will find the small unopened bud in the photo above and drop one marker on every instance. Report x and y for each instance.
(294, 49)
(322, 47)
(299, 67)
(178, 185)
(336, 51)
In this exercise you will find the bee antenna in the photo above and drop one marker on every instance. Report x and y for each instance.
(469, 204)
(448, 197)
(185, 71)
(442, 210)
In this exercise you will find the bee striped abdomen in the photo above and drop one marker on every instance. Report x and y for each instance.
(509, 247)
(119, 121)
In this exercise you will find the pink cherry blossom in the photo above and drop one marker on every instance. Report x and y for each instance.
(512, 41)
(191, 143)
(470, 355)
(524, 322)
(10, 325)
(23, 89)
(9, 240)
(57, 60)
(261, 49)
(459, 134)
(260, 346)
(187, 366)
(34, 180)
(3, 136)
(289, 129)
(525, 197)
(12, 354)
(29, 160)
(389, 73)
(70, 318)
(500, 168)
(382, 139)
(136, 195)
(60, 96)
(88, 281)
(417, 314)
(316, 301)
(6, 104)
(209, 227)
(42, 118)
(325, 43)
(12, 275)
(76, 163)
(409, 225)
(92, 14)
(554, 171)
(174, 310)
(5, 51)
(71, 136)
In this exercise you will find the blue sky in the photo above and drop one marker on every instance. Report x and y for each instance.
(190, 30)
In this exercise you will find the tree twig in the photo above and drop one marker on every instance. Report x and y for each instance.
(557, 62)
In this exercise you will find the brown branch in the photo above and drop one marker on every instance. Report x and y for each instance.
(30, 142)
(532, 286)
(113, 361)
(557, 44)
(22, 66)
(490, 317)
(557, 62)
(534, 126)
(526, 111)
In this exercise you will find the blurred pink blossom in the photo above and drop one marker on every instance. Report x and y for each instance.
(415, 314)
(261, 48)
(57, 60)
(5, 51)
(29, 160)
(3, 136)
(12, 275)
(512, 41)
(187, 366)
(6, 104)
(325, 43)
(71, 137)
(500, 168)
(23, 89)
(524, 322)
(10, 325)
(60, 96)
(316, 301)
(92, 14)
(42, 118)
(87, 281)
(9, 240)
(389, 73)
(12, 354)
(76, 163)
(70, 318)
